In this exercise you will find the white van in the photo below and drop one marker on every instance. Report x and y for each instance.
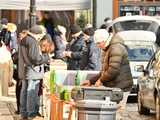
(139, 33)
(141, 47)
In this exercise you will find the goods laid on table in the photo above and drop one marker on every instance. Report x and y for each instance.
(58, 65)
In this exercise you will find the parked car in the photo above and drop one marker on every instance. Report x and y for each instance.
(149, 89)
(139, 33)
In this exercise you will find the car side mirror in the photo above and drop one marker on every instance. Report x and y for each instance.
(145, 72)
(139, 68)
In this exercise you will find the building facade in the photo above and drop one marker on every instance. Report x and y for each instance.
(136, 7)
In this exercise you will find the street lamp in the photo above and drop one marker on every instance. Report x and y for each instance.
(32, 14)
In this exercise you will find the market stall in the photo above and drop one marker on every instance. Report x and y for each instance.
(58, 89)
(64, 90)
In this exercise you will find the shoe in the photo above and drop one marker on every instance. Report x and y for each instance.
(23, 118)
(38, 114)
(36, 118)
(17, 112)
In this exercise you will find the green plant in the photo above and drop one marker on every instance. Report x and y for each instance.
(81, 20)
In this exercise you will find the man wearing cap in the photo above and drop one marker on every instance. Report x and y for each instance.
(75, 47)
(30, 70)
(91, 54)
(115, 70)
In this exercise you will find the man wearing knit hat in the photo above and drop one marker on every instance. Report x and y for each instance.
(4, 21)
(115, 70)
(30, 71)
(75, 47)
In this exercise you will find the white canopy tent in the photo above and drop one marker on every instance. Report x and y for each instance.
(48, 5)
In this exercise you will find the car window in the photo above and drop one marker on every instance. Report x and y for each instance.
(135, 25)
(151, 62)
(139, 53)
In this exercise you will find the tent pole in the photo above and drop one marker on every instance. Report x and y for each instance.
(32, 14)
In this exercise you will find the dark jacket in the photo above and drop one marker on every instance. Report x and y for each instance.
(115, 67)
(91, 56)
(75, 46)
(29, 56)
(9, 38)
(60, 47)
(5, 36)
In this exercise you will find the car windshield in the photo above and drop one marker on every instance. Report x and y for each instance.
(139, 53)
(133, 25)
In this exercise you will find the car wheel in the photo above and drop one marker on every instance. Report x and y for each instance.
(157, 107)
(141, 108)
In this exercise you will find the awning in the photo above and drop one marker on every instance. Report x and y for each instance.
(49, 5)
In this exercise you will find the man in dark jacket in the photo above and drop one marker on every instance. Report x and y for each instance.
(30, 71)
(115, 64)
(74, 51)
(90, 53)
(60, 42)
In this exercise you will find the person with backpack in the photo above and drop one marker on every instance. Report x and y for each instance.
(15, 71)
(8, 35)
(30, 71)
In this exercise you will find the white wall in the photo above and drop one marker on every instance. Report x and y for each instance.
(46, 4)
(104, 9)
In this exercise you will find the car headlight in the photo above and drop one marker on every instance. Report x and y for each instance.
(139, 68)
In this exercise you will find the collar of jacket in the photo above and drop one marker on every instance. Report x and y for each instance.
(37, 37)
(90, 39)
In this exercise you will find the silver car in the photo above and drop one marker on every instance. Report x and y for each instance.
(149, 90)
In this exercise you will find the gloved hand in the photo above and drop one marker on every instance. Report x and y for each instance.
(86, 83)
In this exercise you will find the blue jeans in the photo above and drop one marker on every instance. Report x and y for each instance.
(29, 100)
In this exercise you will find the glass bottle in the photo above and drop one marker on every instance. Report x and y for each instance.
(52, 82)
(77, 78)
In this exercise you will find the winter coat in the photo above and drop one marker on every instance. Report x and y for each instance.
(75, 46)
(6, 70)
(13, 43)
(60, 47)
(91, 56)
(115, 67)
(9, 38)
(30, 59)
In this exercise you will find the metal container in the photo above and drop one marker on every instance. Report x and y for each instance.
(97, 93)
(96, 110)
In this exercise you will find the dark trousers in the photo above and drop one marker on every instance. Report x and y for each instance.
(18, 92)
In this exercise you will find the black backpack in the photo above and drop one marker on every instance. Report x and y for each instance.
(5, 36)
(15, 66)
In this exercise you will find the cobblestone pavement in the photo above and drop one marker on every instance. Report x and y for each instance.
(8, 107)
(132, 114)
